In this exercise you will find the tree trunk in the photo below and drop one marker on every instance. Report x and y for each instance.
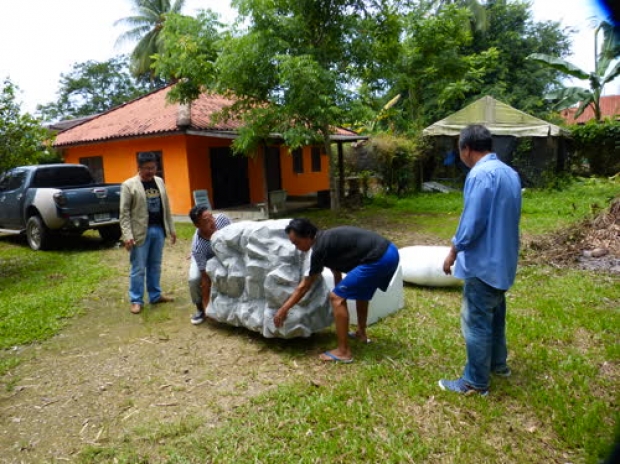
(334, 193)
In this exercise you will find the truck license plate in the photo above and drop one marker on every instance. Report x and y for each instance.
(102, 217)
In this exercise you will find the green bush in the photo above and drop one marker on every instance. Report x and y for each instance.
(398, 162)
(598, 143)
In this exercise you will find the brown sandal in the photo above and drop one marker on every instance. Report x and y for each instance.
(135, 308)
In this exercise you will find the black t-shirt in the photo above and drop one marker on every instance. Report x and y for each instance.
(153, 203)
(344, 248)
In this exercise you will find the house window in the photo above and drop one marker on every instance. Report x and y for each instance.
(316, 159)
(160, 161)
(298, 161)
(95, 165)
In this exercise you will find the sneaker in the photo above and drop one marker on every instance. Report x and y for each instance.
(504, 372)
(459, 386)
(198, 317)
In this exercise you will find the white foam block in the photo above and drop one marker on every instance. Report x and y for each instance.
(423, 265)
(254, 271)
(382, 303)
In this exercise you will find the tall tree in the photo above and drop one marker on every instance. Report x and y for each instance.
(291, 72)
(190, 48)
(146, 26)
(444, 66)
(478, 17)
(515, 34)
(94, 87)
(24, 140)
(606, 69)
(304, 58)
(435, 69)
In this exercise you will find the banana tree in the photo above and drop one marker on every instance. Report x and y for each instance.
(606, 69)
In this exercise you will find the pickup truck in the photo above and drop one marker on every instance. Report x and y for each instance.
(43, 201)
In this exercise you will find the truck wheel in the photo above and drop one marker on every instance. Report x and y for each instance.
(38, 235)
(110, 234)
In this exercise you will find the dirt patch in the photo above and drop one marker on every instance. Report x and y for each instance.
(593, 244)
(110, 371)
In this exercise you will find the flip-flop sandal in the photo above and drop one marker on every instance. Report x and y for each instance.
(333, 358)
(353, 336)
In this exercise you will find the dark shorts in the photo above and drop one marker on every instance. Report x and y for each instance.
(362, 282)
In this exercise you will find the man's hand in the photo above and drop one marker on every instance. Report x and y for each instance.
(279, 318)
(129, 244)
(449, 261)
(173, 238)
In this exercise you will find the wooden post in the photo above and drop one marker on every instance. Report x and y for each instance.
(265, 182)
(340, 173)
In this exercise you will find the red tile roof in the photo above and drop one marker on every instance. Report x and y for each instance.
(610, 107)
(153, 115)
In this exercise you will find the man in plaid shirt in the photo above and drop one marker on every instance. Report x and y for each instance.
(199, 281)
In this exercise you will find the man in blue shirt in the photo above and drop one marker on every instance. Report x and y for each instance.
(487, 245)
(199, 281)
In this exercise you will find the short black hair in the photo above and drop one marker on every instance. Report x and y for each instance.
(477, 138)
(196, 212)
(302, 227)
(146, 157)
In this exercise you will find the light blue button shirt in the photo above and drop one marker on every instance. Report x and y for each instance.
(487, 238)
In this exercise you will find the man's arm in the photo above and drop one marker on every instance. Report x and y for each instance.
(337, 277)
(449, 261)
(295, 297)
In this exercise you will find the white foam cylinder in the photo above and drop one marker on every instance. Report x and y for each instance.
(423, 265)
(382, 303)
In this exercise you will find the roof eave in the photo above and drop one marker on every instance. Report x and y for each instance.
(116, 139)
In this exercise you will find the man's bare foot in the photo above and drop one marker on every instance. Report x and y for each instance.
(362, 337)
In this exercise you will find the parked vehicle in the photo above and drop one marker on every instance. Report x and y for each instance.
(43, 201)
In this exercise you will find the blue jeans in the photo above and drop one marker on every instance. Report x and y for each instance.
(483, 322)
(146, 262)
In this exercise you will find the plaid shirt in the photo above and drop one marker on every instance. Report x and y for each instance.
(201, 248)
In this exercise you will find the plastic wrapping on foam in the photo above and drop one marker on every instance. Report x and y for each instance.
(255, 269)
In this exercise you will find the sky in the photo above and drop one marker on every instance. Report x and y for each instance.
(41, 39)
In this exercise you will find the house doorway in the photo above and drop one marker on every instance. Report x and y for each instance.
(274, 179)
(229, 177)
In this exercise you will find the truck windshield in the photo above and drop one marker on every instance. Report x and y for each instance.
(65, 176)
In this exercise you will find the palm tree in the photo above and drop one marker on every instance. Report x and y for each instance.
(145, 27)
(606, 69)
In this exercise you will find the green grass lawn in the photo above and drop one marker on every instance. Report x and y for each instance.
(560, 405)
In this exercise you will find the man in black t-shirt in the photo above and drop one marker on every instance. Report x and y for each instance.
(146, 220)
(368, 259)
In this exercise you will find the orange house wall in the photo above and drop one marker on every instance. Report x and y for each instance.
(119, 163)
(187, 166)
(308, 181)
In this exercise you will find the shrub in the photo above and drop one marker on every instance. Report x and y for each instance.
(396, 161)
(599, 144)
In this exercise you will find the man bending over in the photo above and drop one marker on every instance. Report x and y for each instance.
(369, 260)
(199, 281)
